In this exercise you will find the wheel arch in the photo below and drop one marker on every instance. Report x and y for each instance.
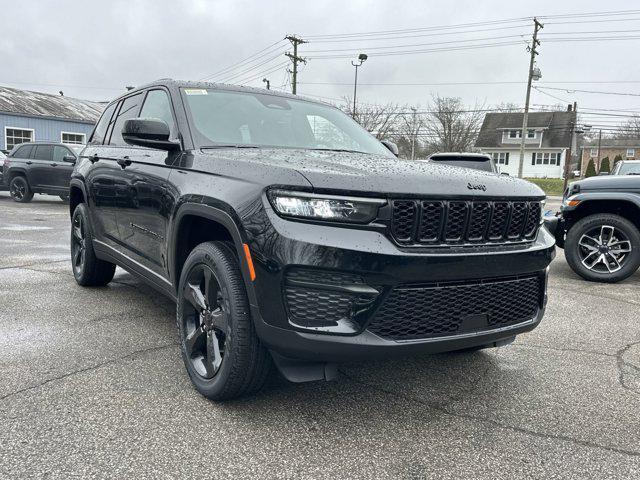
(626, 206)
(198, 223)
(77, 195)
(17, 172)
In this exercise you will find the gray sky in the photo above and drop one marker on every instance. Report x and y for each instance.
(93, 49)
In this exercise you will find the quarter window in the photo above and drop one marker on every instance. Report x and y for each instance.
(101, 128)
(129, 109)
(16, 136)
(73, 138)
(23, 152)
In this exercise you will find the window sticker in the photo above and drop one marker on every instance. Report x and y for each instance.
(196, 91)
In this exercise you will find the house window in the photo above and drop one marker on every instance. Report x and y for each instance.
(531, 134)
(501, 158)
(546, 158)
(73, 138)
(631, 152)
(514, 133)
(15, 136)
(593, 153)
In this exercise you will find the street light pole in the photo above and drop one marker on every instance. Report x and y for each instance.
(361, 59)
(414, 132)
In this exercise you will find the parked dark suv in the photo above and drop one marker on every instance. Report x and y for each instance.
(285, 231)
(39, 167)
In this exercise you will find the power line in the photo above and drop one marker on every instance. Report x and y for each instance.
(248, 59)
(573, 90)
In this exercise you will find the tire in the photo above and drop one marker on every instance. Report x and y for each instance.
(64, 198)
(221, 351)
(616, 249)
(88, 270)
(19, 189)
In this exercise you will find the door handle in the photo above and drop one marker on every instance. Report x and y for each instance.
(29, 163)
(124, 162)
(54, 164)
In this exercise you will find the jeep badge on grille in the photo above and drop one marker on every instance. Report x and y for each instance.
(477, 186)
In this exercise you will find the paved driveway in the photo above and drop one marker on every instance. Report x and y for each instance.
(92, 385)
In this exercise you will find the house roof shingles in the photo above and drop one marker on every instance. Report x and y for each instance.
(557, 125)
(36, 104)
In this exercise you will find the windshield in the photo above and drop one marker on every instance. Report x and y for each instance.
(629, 169)
(477, 163)
(222, 118)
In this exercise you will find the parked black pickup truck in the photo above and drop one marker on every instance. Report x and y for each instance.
(39, 167)
(599, 227)
(284, 231)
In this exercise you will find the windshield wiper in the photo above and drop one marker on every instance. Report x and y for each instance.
(336, 150)
(230, 145)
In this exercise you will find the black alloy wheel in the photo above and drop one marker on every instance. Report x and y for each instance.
(205, 330)
(78, 244)
(19, 190)
(220, 348)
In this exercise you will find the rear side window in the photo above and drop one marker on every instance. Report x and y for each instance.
(101, 128)
(59, 153)
(43, 152)
(157, 105)
(129, 109)
(23, 152)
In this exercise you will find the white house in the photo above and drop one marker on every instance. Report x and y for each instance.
(547, 141)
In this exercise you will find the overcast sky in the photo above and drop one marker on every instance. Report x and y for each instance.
(92, 49)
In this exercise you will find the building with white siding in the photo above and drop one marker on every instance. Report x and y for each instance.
(547, 142)
(32, 116)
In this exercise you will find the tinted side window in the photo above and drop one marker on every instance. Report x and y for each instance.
(130, 108)
(158, 105)
(59, 153)
(43, 152)
(101, 127)
(23, 152)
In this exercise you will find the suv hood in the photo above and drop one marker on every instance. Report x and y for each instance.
(610, 182)
(378, 174)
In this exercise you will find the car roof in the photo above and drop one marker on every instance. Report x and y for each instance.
(172, 83)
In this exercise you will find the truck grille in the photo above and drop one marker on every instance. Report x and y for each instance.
(411, 313)
(436, 222)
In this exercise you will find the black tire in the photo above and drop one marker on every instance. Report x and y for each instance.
(64, 198)
(221, 351)
(88, 270)
(608, 249)
(19, 189)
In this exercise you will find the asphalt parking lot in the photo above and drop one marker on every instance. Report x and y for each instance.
(92, 385)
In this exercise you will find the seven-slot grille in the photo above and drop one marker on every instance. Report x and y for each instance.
(440, 222)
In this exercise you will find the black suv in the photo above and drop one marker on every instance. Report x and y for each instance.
(286, 232)
(599, 227)
(39, 167)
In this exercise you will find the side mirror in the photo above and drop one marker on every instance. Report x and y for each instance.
(69, 159)
(148, 132)
(393, 148)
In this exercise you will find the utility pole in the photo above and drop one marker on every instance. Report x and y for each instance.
(523, 136)
(599, 145)
(266, 80)
(295, 41)
(568, 160)
(415, 133)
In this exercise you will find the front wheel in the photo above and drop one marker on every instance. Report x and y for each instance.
(221, 351)
(19, 189)
(603, 248)
(88, 270)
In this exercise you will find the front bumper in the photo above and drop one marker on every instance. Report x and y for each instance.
(382, 267)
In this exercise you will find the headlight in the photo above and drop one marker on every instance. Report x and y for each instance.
(325, 207)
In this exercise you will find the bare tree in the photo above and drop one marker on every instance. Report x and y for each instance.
(451, 127)
(630, 128)
(380, 120)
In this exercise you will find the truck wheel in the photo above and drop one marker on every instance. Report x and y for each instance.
(221, 351)
(603, 248)
(19, 189)
(88, 270)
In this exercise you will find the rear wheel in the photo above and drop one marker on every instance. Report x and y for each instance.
(603, 248)
(88, 270)
(221, 351)
(19, 189)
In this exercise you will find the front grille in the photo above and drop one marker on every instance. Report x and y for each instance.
(411, 313)
(434, 222)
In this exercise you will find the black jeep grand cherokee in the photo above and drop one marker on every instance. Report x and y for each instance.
(286, 232)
